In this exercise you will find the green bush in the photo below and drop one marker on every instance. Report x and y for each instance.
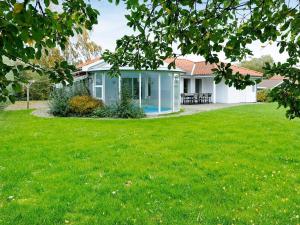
(106, 111)
(60, 97)
(84, 105)
(123, 109)
(119, 111)
(263, 96)
(58, 103)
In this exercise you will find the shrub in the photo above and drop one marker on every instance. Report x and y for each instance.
(120, 111)
(123, 109)
(58, 103)
(84, 105)
(60, 97)
(106, 111)
(263, 96)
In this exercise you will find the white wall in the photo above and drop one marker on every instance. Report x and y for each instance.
(221, 92)
(208, 85)
(246, 95)
(192, 85)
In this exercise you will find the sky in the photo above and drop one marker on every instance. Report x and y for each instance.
(112, 25)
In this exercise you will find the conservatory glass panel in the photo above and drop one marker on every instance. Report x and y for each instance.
(176, 83)
(166, 92)
(130, 83)
(149, 89)
(111, 89)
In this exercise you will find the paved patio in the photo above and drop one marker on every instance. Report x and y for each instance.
(21, 105)
(192, 109)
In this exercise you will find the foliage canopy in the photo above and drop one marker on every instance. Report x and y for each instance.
(208, 27)
(30, 27)
(201, 27)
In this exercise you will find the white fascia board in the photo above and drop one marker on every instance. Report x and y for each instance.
(103, 66)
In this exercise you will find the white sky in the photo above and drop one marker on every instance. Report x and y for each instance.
(112, 25)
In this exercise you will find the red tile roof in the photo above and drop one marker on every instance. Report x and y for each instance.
(202, 68)
(184, 64)
(89, 61)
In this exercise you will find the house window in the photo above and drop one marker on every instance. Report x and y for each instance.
(98, 86)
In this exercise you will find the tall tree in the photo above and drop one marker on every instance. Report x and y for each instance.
(81, 48)
(257, 64)
(28, 27)
(207, 27)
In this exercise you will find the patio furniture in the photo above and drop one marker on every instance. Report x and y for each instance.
(206, 98)
(188, 98)
(209, 97)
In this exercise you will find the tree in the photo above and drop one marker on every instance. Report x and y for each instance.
(207, 27)
(81, 49)
(30, 27)
(257, 63)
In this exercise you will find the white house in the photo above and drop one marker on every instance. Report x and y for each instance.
(156, 91)
(160, 91)
(199, 78)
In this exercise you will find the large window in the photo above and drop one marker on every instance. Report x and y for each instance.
(166, 90)
(149, 91)
(98, 85)
(154, 91)
(111, 89)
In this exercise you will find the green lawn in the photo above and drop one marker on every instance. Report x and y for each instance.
(238, 165)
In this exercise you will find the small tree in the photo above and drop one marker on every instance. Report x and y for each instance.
(257, 64)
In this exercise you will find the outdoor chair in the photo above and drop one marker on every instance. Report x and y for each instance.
(196, 98)
(201, 98)
(209, 98)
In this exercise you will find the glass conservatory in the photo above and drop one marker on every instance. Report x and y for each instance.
(156, 92)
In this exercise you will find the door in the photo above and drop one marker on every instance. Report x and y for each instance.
(186, 85)
(198, 86)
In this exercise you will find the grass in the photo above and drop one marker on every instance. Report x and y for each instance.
(239, 165)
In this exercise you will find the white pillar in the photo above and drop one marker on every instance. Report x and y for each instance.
(103, 87)
(192, 83)
(120, 83)
(214, 91)
(173, 94)
(159, 94)
(140, 90)
(181, 84)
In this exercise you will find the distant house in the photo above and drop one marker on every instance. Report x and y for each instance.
(160, 91)
(270, 83)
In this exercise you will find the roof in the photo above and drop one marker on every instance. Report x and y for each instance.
(271, 83)
(202, 68)
(89, 61)
(184, 64)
